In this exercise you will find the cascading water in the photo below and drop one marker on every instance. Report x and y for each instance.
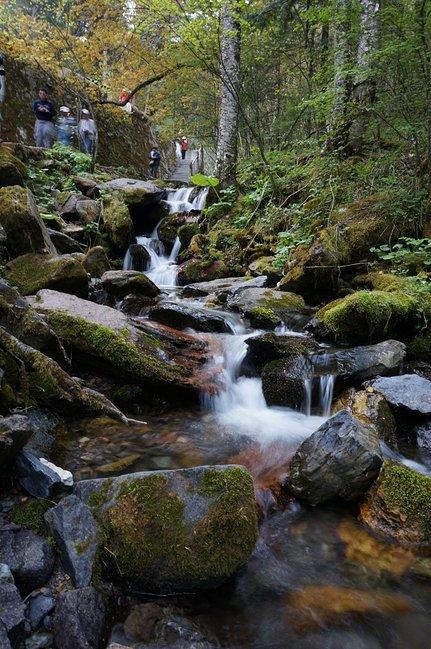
(163, 269)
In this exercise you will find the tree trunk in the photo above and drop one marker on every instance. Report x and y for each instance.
(364, 87)
(2, 90)
(339, 127)
(230, 44)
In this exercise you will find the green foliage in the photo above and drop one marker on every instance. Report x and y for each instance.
(226, 201)
(204, 181)
(407, 256)
(287, 243)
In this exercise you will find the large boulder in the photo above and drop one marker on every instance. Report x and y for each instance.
(15, 431)
(341, 459)
(368, 316)
(96, 262)
(201, 270)
(118, 224)
(120, 283)
(133, 191)
(12, 170)
(173, 530)
(266, 266)
(273, 347)
(64, 244)
(283, 382)
(32, 272)
(137, 258)
(409, 392)
(182, 316)
(221, 287)
(29, 556)
(106, 339)
(79, 619)
(76, 535)
(371, 408)
(398, 506)
(12, 617)
(266, 307)
(19, 217)
(19, 319)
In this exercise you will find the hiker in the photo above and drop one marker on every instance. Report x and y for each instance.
(66, 126)
(130, 101)
(155, 158)
(87, 131)
(44, 129)
(184, 144)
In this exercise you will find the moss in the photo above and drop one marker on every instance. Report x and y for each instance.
(114, 348)
(186, 233)
(32, 272)
(409, 492)
(383, 282)
(145, 530)
(12, 170)
(118, 223)
(419, 349)
(264, 315)
(31, 514)
(370, 315)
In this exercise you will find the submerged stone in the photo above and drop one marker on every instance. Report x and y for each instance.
(174, 530)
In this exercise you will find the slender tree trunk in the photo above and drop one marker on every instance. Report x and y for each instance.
(2, 91)
(364, 87)
(339, 127)
(230, 45)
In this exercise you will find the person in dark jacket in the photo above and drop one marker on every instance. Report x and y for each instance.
(44, 129)
(155, 158)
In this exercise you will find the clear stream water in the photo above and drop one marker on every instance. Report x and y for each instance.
(317, 578)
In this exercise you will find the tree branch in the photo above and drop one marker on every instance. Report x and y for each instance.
(139, 87)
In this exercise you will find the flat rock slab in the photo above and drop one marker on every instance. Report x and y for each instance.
(29, 556)
(408, 391)
(182, 316)
(76, 534)
(218, 286)
(134, 191)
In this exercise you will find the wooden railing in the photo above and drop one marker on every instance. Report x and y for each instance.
(197, 161)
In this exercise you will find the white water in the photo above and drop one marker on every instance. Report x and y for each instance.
(326, 392)
(178, 200)
(240, 406)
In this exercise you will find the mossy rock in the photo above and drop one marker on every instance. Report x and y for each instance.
(186, 233)
(32, 272)
(118, 223)
(12, 170)
(96, 262)
(201, 270)
(283, 383)
(168, 228)
(272, 347)
(383, 282)
(265, 266)
(166, 531)
(30, 514)
(371, 316)
(419, 349)
(398, 506)
(266, 307)
(20, 219)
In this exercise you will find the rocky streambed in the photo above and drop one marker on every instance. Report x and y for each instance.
(206, 465)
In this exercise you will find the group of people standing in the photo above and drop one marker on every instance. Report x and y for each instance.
(64, 127)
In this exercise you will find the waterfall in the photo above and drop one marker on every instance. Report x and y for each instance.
(180, 200)
(163, 269)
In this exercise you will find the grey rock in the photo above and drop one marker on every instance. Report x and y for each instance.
(133, 191)
(38, 608)
(67, 208)
(12, 618)
(96, 262)
(4, 640)
(341, 459)
(138, 257)
(29, 556)
(88, 210)
(408, 392)
(222, 288)
(15, 431)
(283, 382)
(64, 244)
(39, 478)
(267, 307)
(119, 283)
(79, 619)
(76, 534)
(41, 640)
(6, 576)
(181, 316)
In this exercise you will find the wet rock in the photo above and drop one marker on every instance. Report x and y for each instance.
(181, 316)
(41, 640)
(138, 257)
(398, 506)
(96, 262)
(120, 283)
(135, 305)
(266, 307)
(168, 228)
(108, 340)
(174, 530)
(79, 619)
(341, 459)
(221, 287)
(6, 576)
(408, 392)
(283, 382)
(4, 640)
(201, 270)
(186, 232)
(12, 618)
(371, 408)
(64, 244)
(29, 556)
(19, 217)
(39, 606)
(423, 435)
(271, 347)
(76, 535)
(19, 319)
(265, 266)
(133, 191)
(33, 272)
(39, 477)
(12, 170)
(118, 224)
(15, 431)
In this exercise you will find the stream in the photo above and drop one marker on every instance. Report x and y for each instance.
(375, 594)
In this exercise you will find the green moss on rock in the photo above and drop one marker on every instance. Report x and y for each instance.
(32, 272)
(31, 514)
(12, 170)
(118, 223)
